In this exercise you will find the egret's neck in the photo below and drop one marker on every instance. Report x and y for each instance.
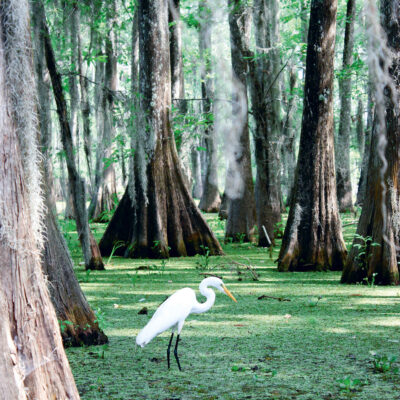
(203, 307)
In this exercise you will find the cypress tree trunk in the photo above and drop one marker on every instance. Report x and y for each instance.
(343, 175)
(44, 112)
(85, 103)
(265, 95)
(377, 258)
(197, 190)
(134, 91)
(66, 295)
(360, 128)
(175, 48)
(156, 216)
(239, 187)
(71, 21)
(289, 137)
(210, 199)
(304, 16)
(313, 235)
(69, 202)
(33, 364)
(90, 249)
(362, 183)
(105, 192)
(183, 142)
(70, 26)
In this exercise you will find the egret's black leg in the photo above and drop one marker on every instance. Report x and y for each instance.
(176, 353)
(169, 347)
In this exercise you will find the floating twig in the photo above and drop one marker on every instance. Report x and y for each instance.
(350, 223)
(248, 267)
(264, 296)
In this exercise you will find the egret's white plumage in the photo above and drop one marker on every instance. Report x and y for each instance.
(172, 313)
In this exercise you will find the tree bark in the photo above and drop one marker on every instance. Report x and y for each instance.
(224, 207)
(289, 137)
(33, 363)
(134, 112)
(265, 95)
(85, 104)
(377, 260)
(71, 21)
(197, 190)
(360, 131)
(44, 112)
(304, 17)
(90, 249)
(105, 192)
(362, 183)
(210, 199)
(342, 150)
(239, 186)
(178, 89)
(156, 217)
(71, 27)
(66, 295)
(175, 48)
(313, 235)
(99, 92)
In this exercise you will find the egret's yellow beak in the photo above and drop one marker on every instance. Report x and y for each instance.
(229, 294)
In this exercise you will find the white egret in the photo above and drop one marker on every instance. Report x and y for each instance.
(173, 312)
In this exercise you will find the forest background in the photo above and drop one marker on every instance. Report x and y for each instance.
(152, 111)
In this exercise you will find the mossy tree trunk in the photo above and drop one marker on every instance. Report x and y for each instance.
(76, 317)
(313, 235)
(265, 95)
(289, 137)
(156, 217)
(342, 148)
(182, 139)
(360, 131)
(175, 48)
(105, 191)
(44, 108)
(66, 294)
(83, 70)
(33, 364)
(377, 258)
(210, 199)
(362, 183)
(90, 249)
(72, 22)
(239, 188)
(197, 190)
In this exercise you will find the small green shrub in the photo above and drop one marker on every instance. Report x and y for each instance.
(86, 278)
(64, 324)
(365, 242)
(118, 244)
(348, 384)
(241, 237)
(203, 262)
(384, 363)
(100, 319)
(279, 229)
(236, 368)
